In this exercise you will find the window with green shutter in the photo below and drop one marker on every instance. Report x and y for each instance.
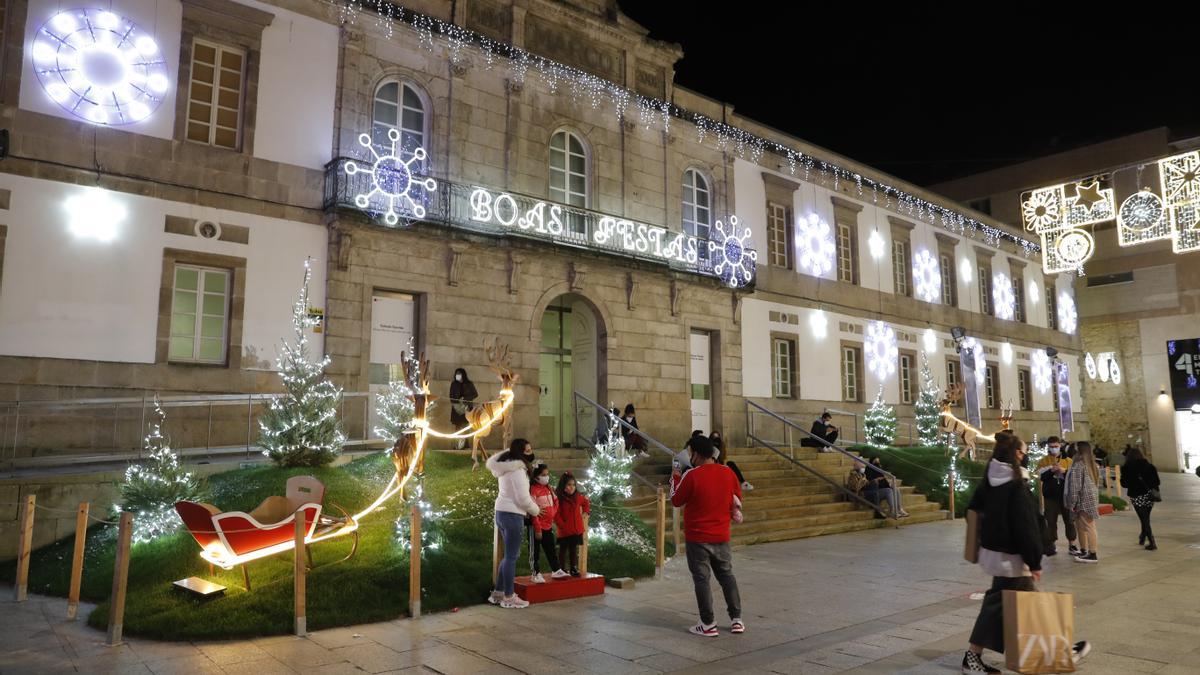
(199, 315)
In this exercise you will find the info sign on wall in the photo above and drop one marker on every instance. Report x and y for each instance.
(1183, 363)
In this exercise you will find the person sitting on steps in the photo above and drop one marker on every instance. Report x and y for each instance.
(880, 488)
(633, 440)
(822, 430)
(723, 458)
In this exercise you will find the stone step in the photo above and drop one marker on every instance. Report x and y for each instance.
(832, 528)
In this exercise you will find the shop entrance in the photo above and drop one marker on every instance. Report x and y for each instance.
(569, 362)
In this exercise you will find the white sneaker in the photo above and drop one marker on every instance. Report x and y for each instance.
(538, 578)
(747, 486)
(514, 602)
(643, 454)
(559, 574)
(496, 597)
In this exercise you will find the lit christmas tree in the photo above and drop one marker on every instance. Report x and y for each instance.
(608, 475)
(301, 428)
(927, 411)
(431, 525)
(879, 423)
(151, 489)
(395, 405)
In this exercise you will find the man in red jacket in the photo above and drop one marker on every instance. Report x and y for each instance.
(706, 493)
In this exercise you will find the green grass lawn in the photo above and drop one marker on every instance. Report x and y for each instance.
(925, 468)
(371, 586)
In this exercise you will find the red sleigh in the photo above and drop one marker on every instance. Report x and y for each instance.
(233, 538)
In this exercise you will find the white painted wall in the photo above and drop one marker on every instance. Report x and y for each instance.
(1163, 442)
(159, 18)
(296, 89)
(66, 297)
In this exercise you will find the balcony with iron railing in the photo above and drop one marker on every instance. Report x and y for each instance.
(390, 195)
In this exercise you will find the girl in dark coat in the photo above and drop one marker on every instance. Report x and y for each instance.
(1139, 477)
(462, 397)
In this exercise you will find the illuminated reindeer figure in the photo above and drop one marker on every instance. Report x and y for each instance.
(1006, 416)
(965, 432)
(405, 448)
(484, 416)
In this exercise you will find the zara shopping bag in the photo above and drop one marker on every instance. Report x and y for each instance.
(1039, 630)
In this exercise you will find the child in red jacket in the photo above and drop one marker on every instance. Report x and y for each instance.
(572, 505)
(541, 527)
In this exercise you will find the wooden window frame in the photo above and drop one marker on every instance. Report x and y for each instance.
(700, 184)
(792, 346)
(856, 350)
(779, 226)
(845, 219)
(909, 394)
(1024, 393)
(236, 305)
(991, 386)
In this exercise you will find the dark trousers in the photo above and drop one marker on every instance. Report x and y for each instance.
(1143, 513)
(814, 443)
(989, 625)
(1053, 509)
(546, 544)
(717, 559)
(736, 471)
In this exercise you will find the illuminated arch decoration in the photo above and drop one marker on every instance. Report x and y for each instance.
(392, 180)
(1068, 317)
(1004, 301)
(927, 275)
(881, 349)
(1040, 371)
(733, 259)
(100, 66)
(817, 247)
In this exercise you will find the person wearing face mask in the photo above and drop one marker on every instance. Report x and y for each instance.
(541, 526)
(723, 458)
(1051, 471)
(462, 397)
(707, 494)
(633, 440)
(856, 480)
(512, 503)
(1081, 496)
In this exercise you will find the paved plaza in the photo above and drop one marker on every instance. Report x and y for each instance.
(883, 601)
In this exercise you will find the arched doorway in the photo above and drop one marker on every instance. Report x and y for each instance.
(570, 361)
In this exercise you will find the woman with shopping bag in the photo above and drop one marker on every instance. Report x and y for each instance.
(1010, 547)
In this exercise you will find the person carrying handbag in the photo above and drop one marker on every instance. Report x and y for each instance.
(1140, 479)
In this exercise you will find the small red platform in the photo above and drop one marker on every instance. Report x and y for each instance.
(560, 589)
(1106, 509)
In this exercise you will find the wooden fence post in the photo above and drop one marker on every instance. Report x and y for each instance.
(951, 483)
(583, 549)
(116, 606)
(495, 552)
(24, 547)
(660, 533)
(298, 577)
(81, 518)
(414, 563)
(1117, 468)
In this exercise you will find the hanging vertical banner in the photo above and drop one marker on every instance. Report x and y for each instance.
(971, 387)
(1183, 363)
(1062, 383)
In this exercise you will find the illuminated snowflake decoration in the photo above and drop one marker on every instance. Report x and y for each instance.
(99, 66)
(876, 243)
(881, 348)
(1068, 318)
(974, 346)
(927, 275)
(733, 259)
(392, 180)
(1041, 211)
(816, 245)
(1089, 364)
(1040, 371)
(1004, 301)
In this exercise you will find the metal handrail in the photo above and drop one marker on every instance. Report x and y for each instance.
(896, 508)
(835, 411)
(587, 442)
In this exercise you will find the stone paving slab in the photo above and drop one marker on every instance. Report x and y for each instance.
(878, 601)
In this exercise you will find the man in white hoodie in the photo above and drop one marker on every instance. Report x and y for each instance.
(513, 503)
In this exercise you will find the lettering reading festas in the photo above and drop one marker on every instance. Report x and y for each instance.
(547, 219)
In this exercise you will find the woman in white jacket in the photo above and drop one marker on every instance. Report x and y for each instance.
(513, 503)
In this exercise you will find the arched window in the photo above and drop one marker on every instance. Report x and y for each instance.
(399, 106)
(697, 204)
(569, 175)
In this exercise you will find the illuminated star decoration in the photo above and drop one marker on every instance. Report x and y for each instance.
(881, 349)
(1003, 299)
(733, 259)
(1040, 370)
(927, 275)
(1087, 196)
(816, 245)
(1068, 318)
(392, 180)
(99, 66)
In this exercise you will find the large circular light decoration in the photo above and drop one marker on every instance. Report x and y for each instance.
(1039, 364)
(1075, 247)
(99, 66)
(1140, 211)
(927, 275)
(1068, 318)
(816, 245)
(881, 349)
(733, 259)
(392, 180)
(1003, 299)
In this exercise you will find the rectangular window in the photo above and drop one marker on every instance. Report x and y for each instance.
(949, 281)
(779, 243)
(215, 95)
(985, 289)
(199, 315)
(1051, 312)
(1023, 390)
(908, 378)
(951, 373)
(1018, 298)
(783, 367)
(900, 266)
(847, 261)
(991, 384)
(851, 373)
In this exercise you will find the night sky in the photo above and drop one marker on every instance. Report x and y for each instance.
(932, 95)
